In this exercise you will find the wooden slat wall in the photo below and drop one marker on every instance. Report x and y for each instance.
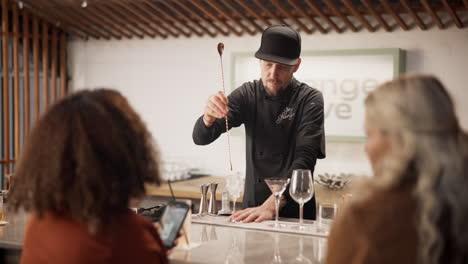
(119, 19)
(6, 88)
(63, 65)
(36, 68)
(16, 80)
(53, 66)
(18, 99)
(27, 90)
(45, 63)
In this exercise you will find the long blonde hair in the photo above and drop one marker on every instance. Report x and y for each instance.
(418, 118)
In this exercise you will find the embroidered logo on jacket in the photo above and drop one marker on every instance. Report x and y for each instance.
(286, 114)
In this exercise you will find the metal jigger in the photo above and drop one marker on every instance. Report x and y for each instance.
(212, 206)
(203, 206)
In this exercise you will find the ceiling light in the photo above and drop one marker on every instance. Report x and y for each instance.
(84, 4)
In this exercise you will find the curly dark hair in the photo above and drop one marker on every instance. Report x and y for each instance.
(87, 156)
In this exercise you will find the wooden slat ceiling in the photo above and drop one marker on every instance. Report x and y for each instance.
(123, 19)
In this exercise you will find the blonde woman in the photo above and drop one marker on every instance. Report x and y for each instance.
(415, 208)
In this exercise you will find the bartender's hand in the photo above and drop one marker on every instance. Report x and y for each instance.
(258, 214)
(216, 107)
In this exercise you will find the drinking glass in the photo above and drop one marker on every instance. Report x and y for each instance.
(234, 185)
(301, 190)
(277, 187)
(327, 212)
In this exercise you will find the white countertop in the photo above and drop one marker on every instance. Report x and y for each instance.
(226, 244)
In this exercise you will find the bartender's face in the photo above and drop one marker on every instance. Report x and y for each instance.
(377, 144)
(276, 76)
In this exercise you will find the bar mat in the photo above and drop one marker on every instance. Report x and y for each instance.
(310, 227)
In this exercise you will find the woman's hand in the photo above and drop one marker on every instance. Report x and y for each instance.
(176, 241)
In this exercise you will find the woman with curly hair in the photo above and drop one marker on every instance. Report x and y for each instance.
(415, 209)
(87, 157)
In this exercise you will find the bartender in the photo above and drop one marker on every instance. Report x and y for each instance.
(283, 121)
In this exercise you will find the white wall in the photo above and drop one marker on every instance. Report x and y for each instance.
(168, 82)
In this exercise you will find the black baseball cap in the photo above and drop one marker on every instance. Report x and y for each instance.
(280, 44)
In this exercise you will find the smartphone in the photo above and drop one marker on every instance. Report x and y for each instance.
(172, 221)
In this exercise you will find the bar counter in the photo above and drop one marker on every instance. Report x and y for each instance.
(222, 244)
(211, 243)
(11, 234)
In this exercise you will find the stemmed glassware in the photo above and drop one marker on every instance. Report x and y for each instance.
(301, 190)
(277, 187)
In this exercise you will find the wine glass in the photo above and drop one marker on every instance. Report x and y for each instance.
(277, 187)
(301, 190)
(234, 184)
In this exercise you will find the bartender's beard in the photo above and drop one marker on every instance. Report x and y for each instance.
(275, 87)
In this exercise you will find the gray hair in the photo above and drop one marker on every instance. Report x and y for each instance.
(418, 117)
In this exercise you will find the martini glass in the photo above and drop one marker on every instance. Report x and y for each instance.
(277, 187)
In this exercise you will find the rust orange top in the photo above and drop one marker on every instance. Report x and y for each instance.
(59, 239)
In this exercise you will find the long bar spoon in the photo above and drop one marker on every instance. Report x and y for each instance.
(220, 51)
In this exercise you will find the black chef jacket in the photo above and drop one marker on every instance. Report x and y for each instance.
(283, 133)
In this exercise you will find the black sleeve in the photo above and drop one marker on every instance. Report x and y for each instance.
(310, 145)
(310, 137)
(203, 135)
